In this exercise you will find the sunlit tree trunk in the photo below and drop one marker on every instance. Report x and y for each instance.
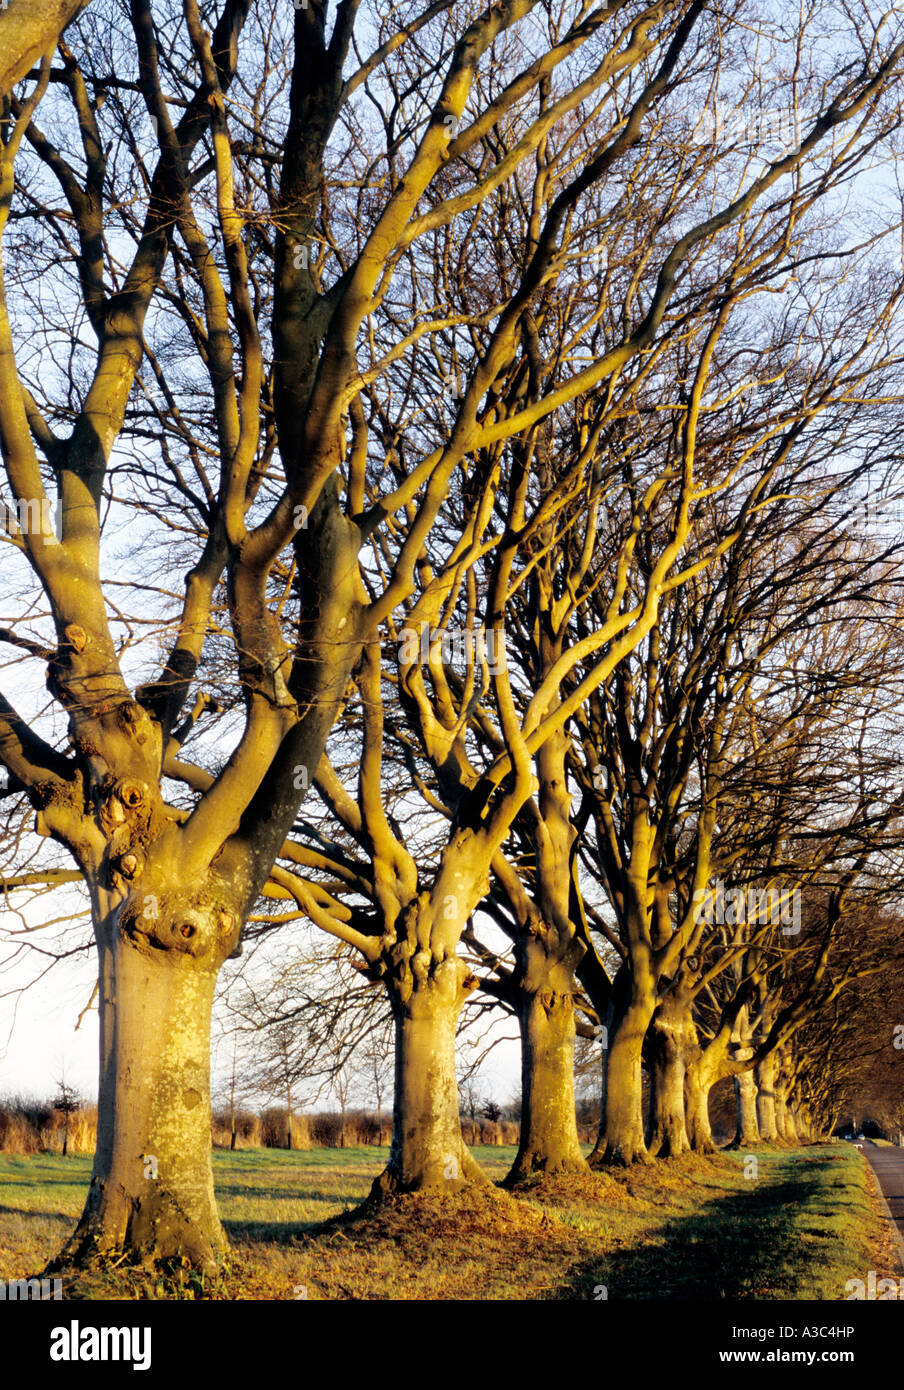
(697, 1086)
(665, 1050)
(151, 1193)
(549, 1137)
(765, 1099)
(625, 1141)
(747, 1132)
(427, 1151)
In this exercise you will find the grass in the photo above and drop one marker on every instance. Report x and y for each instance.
(686, 1229)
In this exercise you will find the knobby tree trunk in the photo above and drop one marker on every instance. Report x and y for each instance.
(625, 1141)
(549, 1134)
(784, 1118)
(151, 1192)
(665, 1052)
(609, 1013)
(747, 1132)
(765, 1099)
(548, 951)
(698, 1083)
(427, 1151)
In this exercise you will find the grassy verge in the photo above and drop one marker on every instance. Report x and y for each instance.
(797, 1227)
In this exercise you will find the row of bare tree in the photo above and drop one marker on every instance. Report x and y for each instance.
(447, 426)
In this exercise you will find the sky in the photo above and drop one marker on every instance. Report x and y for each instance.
(43, 1042)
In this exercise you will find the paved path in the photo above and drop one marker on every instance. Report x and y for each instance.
(888, 1166)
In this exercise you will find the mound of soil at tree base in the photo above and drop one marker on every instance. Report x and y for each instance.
(464, 1233)
(550, 1238)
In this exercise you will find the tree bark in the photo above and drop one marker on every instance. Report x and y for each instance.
(151, 1192)
(665, 1052)
(747, 1132)
(800, 1122)
(698, 1083)
(784, 1119)
(549, 1134)
(765, 1099)
(427, 1151)
(625, 1142)
(608, 1016)
(28, 29)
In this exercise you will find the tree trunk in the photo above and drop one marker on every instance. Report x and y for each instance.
(427, 1149)
(549, 1133)
(698, 1083)
(604, 1097)
(624, 1100)
(748, 1131)
(765, 1099)
(784, 1119)
(607, 1015)
(665, 1052)
(151, 1192)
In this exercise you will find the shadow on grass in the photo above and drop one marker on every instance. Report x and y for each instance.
(22, 1215)
(357, 1210)
(290, 1194)
(77, 1180)
(740, 1246)
(273, 1232)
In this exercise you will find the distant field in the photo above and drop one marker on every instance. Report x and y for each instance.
(692, 1228)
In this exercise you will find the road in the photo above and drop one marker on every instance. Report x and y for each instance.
(888, 1166)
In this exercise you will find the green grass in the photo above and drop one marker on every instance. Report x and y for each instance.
(685, 1229)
